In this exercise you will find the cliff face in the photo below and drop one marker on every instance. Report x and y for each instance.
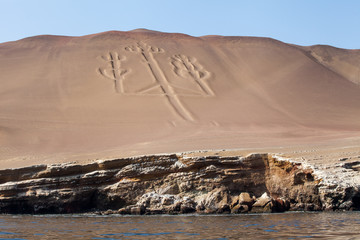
(170, 184)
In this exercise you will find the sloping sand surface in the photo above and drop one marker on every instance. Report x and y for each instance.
(117, 94)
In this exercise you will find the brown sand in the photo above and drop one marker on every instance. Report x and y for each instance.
(117, 94)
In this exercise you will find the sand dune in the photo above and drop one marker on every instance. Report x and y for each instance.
(128, 93)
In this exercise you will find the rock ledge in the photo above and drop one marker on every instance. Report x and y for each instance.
(172, 184)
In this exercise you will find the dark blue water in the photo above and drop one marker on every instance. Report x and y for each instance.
(258, 226)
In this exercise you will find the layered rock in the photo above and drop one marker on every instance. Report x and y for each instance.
(171, 184)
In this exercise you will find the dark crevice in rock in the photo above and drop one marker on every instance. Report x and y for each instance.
(353, 165)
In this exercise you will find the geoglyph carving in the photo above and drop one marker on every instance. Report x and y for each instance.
(114, 71)
(186, 68)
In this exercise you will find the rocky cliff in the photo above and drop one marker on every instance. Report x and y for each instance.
(172, 183)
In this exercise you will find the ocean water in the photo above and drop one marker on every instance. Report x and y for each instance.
(295, 225)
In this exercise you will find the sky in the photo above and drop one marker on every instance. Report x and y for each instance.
(302, 22)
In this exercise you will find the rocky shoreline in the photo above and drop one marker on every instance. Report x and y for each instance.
(173, 184)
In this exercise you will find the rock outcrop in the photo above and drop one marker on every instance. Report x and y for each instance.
(172, 184)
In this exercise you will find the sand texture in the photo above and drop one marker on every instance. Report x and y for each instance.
(118, 94)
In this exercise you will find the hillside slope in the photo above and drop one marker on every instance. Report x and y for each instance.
(138, 92)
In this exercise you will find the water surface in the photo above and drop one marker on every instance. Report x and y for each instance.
(258, 226)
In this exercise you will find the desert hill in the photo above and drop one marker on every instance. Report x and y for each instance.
(138, 92)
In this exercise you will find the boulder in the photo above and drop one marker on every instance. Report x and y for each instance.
(245, 199)
(262, 205)
(240, 209)
(262, 201)
(280, 205)
(216, 200)
(187, 207)
(137, 210)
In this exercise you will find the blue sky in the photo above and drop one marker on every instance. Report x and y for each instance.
(303, 22)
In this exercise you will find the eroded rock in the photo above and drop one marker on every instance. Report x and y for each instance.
(172, 184)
